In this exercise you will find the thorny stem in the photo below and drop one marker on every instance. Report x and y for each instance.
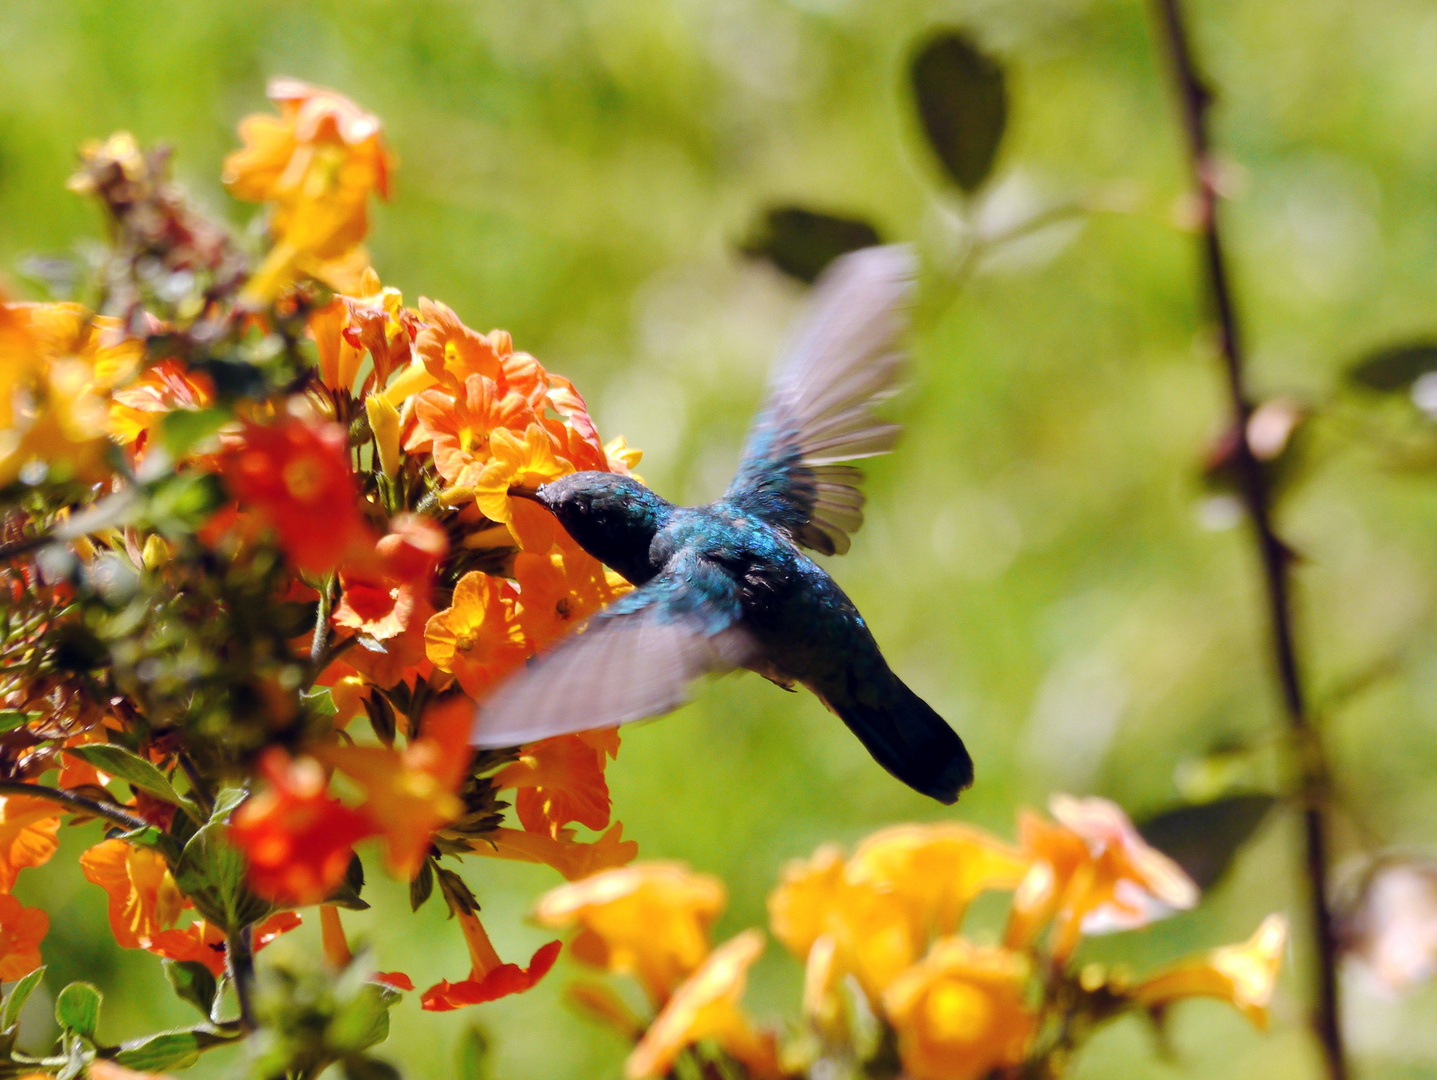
(1311, 760)
(239, 962)
(77, 803)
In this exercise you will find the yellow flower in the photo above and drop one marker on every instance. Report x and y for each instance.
(317, 163)
(477, 638)
(960, 1013)
(515, 462)
(706, 1007)
(874, 932)
(938, 869)
(650, 920)
(1242, 975)
(575, 860)
(1091, 874)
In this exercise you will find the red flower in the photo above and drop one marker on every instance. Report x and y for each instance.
(296, 476)
(298, 839)
(489, 978)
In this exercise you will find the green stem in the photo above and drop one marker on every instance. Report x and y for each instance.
(77, 803)
(239, 960)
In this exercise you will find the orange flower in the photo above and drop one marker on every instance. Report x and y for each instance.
(204, 942)
(339, 360)
(458, 430)
(1093, 873)
(489, 977)
(297, 476)
(382, 593)
(515, 462)
(705, 1007)
(144, 899)
(166, 387)
(336, 950)
(28, 828)
(559, 780)
(21, 929)
(1243, 975)
(317, 163)
(649, 920)
(559, 590)
(571, 858)
(938, 869)
(872, 933)
(297, 839)
(452, 352)
(478, 638)
(411, 793)
(960, 1013)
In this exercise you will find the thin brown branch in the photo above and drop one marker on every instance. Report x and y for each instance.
(77, 803)
(1311, 763)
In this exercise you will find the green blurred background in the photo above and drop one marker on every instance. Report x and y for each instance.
(1041, 561)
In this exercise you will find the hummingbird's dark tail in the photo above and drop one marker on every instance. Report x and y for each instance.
(905, 736)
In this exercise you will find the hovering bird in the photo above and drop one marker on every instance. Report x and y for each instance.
(726, 585)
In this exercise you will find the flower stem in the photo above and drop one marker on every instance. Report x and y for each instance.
(77, 803)
(1310, 758)
(239, 960)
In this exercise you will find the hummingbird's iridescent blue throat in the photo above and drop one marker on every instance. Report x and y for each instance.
(726, 585)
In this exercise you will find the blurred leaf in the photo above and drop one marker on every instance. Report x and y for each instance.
(77, 1009)
(180, 503)
(227, 800)
(19, 994)
(211, 872)
(1395, 367)
(320, 701)
(456, 893)
(129, 767)
(167, 1050)
(10, 719)
(963, 105)
(347, 895)
(368, 1068)
(422, 887)
(802, 242)
(473, 1055)
(192, 982)
(1204, 838)
(363, 1020)
(182, 428)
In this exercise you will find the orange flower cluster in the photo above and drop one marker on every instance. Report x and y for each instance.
(28, 831)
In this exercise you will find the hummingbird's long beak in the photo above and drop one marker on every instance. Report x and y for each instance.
(521, 492)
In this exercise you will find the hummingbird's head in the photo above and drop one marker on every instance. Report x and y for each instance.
(612, 517)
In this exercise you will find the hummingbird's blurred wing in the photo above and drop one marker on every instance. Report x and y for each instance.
(844, 361)
(634, 659)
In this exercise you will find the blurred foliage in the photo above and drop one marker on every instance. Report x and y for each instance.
(1040, 561)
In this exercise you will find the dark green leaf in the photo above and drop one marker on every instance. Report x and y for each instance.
(1395, 367)
(422, 887)
(10, 719)
(180, 503)
(169, 1049)
(193, 982)
(802, 242)
(294, 618)
(381, 717)
(457, 895)
(226, 801)
(77, 1009)
(211, 872)
(1204, 838)
(131, 768)
(347, 895)
(320, 701)
(963, 105)
(473, 1055)
(15, 1000)
(368, 1068)
(181, 429)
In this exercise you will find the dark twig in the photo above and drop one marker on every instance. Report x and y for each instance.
(1311, 761)
(239, 962)
(77, 803)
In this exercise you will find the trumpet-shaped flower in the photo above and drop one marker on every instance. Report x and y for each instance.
(28, 831)
(572, 858)
(21, 930)
(137, 409)
(1092, 873)
(297, 839)
(706, 1007)
(489, 977)
(204, 943)
(458, 429)
(452, 352)
(478, 638)
(559, 590)
(558, 780)
(650, 920)
(1243, 975)
(960, 1012)
(144, 899)
(383, 593)
(515, 461)
(938, 869)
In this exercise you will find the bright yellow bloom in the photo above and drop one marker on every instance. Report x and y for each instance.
(515, 462)
(960, 1013)
(28, 831)
(706, 1007)
(317, 163)
(874, 933)
(1242, 975)
(650, 920)
(938, 869)
(144, 899)
(573, 859)
(477, 638)
(1092, 874)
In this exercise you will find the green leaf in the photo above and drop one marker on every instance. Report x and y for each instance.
(963, 105)
(369, 1068)
(193, 982)
(10, 719)
(473, 1055)
(180, 503)
(1205, 838)
(422, 887)
(181, 429)
(170, 1049)
(152, 837)
(15, 1000)
(1394, 368)
(225, 802)
(320, 701)
(211, 872)
(362, 1021)
(77, 1009)
(347, 895)
(803, 242)
(131, 768)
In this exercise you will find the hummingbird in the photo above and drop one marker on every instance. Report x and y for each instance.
(728, 585)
